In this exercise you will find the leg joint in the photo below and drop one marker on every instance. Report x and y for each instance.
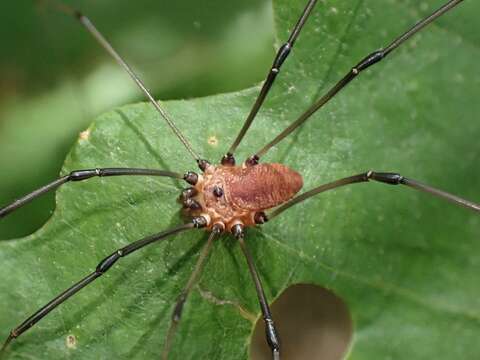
(108, 262)
(178, 310)
(191, 177)
(192, 205)
(252, 160)
(228, 160)
(79, 175)
(203, 164)
(260, 218)
(272, 336)
(188, 193)
(282, 55)
(387, 178)
(369, 60)
(200, 222)
(237, 231)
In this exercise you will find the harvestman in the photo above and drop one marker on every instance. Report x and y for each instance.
(227, 197)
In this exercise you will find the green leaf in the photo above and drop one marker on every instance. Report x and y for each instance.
(405, 263)
(46, 103)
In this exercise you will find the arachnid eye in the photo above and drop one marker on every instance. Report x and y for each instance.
(218, 191)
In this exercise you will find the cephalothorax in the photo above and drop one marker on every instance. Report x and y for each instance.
(226, 197)
(229, 195)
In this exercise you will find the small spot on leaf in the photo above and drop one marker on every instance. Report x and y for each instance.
(71, 341)
(212, 140)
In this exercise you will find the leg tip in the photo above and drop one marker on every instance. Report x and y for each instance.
(77, 14)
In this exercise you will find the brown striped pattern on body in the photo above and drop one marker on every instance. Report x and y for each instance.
(262, 186)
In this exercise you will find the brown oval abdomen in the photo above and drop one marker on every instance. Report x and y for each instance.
(262, 186)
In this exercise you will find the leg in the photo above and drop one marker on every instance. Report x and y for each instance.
(368, 61)
(88, 25)
(101, 269)
(271, 332)
(282, 54)
(387, 178)
(178, 309)
(79, 175)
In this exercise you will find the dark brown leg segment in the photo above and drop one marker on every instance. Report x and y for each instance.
(365, 63)
(178, 309)
(386, 178)
(282, 54)
(101, 269)
(273, 339)
(80, 175)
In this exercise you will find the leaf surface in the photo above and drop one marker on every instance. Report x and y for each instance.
(405, 263)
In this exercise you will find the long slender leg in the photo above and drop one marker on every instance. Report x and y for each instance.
(178, 309)
(387, 178)
(279, 59)
(271, 332)
(79, 175)
(101, 269)
(368, 61)
(88, 25)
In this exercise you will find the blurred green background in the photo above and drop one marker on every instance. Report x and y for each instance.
(55, 79)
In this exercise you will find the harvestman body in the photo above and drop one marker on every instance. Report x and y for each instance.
(227, 197)
(230, 196)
